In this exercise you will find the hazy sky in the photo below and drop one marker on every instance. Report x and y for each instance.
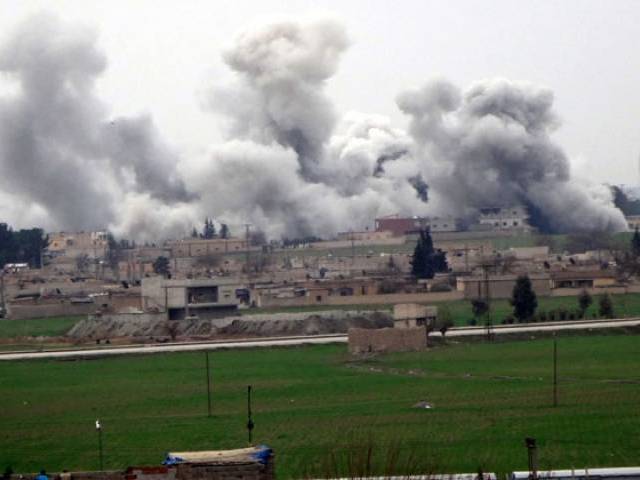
(164, 55)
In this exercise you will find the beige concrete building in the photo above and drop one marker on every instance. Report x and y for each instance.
(365, 236)
(583, 279)
(199, 247)
(412, 315)
(504, 218)
(74, 244)
(204, 298)
(500, 286)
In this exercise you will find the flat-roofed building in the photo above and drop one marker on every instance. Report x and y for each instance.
(407, 225)
(501, 286)
(204, 298)
(200, 247)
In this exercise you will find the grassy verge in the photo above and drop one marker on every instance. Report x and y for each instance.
(310, 402)
(625, 305)
(36, 327)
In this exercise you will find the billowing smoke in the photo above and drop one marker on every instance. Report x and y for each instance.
(283, 67)
(59, 150)
(288, 165)
(490, 146)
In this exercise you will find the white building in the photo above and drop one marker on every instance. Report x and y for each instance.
(504, 218)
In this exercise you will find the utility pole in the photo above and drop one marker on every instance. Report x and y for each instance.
(247, 226)
(206, 353)
(99, 430)
(250, 423)
(2, 302)
(532, 453)
(353, 249)
(466, 257)
(489, 325)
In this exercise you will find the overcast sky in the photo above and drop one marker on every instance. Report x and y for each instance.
(163, 56)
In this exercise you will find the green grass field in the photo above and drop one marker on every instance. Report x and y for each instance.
(35, 327)
(627, 305)
(310, 401)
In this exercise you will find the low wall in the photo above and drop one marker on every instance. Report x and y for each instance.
(386, 299)
(363, 340)
(183, 471)
(46, 310)
(574, 292)
(357, 243)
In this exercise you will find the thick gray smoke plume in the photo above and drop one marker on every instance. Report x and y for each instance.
(490, 146)
(58, 147)
(289, 166)
(283, 68)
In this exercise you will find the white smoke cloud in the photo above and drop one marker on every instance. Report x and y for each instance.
(288, 166)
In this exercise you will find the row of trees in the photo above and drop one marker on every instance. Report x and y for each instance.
(22, 246)
(525, 303)
(209, 230)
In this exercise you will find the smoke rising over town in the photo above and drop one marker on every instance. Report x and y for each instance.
(289, 165)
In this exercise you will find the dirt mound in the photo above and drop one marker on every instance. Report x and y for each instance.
(155, 325)
(315, 324)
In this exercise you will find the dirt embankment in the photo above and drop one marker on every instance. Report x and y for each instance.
(314, 324)
(267, 325)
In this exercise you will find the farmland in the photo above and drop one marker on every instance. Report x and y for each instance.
(310, 402)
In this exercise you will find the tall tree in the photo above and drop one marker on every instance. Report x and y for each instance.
(161, 266)
(31, 244)
(224, 231)
(523, 299)
(194, 233)
(635, 244)
(584, 302)
(426, 260)
(606, 306)
(209, 230)
(479, 307)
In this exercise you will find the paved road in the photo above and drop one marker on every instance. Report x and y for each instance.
(546, 327)
(314, 339)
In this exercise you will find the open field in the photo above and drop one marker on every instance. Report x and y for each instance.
(35, 327)
(309, 401)
(625, 305)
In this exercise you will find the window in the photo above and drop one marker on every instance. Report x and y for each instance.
(318, 298)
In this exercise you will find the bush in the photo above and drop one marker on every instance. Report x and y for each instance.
(606, 306)
(542, 316)
(473, 322)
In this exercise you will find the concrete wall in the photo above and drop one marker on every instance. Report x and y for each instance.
(574, 292)
(201, 247)
(501, 286)
(363, 340)
(204, 471)
(362, 299)
(25, 312)
(357, 243)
